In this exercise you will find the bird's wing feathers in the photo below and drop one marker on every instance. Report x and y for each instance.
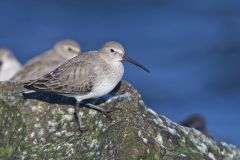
(73, 77)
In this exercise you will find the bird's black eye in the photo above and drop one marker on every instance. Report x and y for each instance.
(112, 50)
(69, 49)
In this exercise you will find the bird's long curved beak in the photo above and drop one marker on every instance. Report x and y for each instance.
(125, 57)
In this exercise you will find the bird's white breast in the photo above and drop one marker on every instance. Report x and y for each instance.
(9, 69)
(106, 83)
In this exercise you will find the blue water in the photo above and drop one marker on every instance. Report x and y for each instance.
(191, 47)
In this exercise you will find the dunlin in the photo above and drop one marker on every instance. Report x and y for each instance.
(9, 65)
(196, 121)
(89, 75)
(48, 61)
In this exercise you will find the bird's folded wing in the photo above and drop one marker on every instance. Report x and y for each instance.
(73, 77)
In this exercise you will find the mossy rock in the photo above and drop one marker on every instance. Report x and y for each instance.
(43, 126)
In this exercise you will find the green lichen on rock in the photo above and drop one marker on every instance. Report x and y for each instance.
(43, 126)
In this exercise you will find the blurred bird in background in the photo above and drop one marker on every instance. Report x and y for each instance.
(9, 65)
(48, 61)
(195, 121)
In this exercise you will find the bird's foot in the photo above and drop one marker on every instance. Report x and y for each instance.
(117, 98)
(109, 101)
(102, 110)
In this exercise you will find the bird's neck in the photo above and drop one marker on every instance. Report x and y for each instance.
(105, 58)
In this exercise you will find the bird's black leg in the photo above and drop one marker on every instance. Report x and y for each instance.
(78, 118)
(109, 101)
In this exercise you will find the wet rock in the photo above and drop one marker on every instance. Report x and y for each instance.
(43, 126)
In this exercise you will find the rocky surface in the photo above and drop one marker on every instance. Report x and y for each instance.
(42, 126)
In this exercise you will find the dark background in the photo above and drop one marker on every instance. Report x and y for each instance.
(191, 47)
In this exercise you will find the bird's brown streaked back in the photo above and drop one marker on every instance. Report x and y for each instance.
(76, 76)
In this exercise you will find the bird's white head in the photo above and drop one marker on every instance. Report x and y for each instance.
(67, 48)
(5, 55)
(9, 65)
(114, 51)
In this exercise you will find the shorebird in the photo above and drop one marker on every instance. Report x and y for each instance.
(9, 65)
(86, 76)
(48, 61)
(196, 121)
